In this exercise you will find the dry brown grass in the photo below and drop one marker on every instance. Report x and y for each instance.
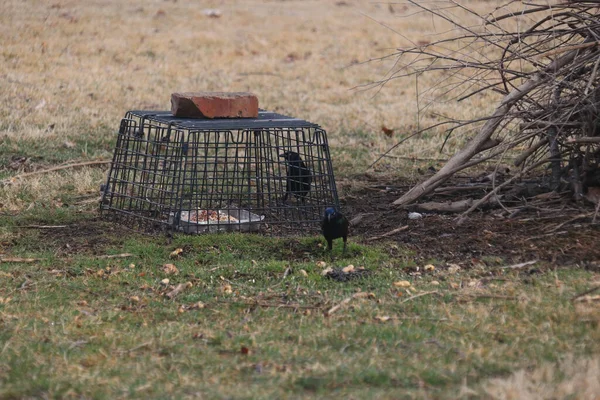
(571, 378)
(70, 70)
(85, 63)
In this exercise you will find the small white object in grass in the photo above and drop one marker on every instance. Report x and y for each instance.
(326, 271)
(165, 282)
(415, 215)
(303, 272)
(212, 12)
(321, 264)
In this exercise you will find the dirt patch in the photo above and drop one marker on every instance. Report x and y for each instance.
(93, 237)
(530, 235)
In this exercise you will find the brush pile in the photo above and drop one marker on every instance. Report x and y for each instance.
(544, 59)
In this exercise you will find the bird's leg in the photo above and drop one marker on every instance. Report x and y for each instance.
(345, 239)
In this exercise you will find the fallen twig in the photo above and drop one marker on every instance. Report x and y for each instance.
(546, 235)
(273, 305)
(592, 290)
(575, 218)
(466, 188)
(19, 260)
(390, 233)
(485, 198)
(61, 167)
(446, 207)
(122, 255)
(468, 297)
(42, 226)
(178, 289)
(420, 319)
(591, 140)
(285, 275)
(520, 265)
(141, 346)
(418, 295)
(346, 301)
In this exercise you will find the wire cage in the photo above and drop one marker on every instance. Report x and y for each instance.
(270, 174)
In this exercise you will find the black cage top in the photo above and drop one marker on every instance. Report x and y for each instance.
(271, 173)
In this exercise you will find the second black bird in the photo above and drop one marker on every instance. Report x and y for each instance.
(299, 177)
(334, 226)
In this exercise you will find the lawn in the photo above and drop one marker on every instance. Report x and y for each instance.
(89, 309)
(256, 318)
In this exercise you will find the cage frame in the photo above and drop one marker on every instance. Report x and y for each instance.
(169, 149)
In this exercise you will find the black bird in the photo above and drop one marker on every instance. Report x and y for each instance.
(299, 176)
(334, 226)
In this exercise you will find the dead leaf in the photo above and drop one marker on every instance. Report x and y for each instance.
(303, 272)
(178, 289)
(429, 267)
(244, 350)
(453, 268)
(134, 299)
(473, 283)
(326, 271)
(383, 318)
(387, 131)
(176, 252)
(364, 295)
(165, 282)
(348, 269)
(321, 264)
(226, 289)
(402, 284)
(197, 306)
(170, 269)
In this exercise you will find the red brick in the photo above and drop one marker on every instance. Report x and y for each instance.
(214, 105)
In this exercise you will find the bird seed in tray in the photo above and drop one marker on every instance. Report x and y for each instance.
(203, 221)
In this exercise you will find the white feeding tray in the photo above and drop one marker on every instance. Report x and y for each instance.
(210, 221)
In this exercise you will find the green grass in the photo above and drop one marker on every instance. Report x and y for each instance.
(77, 325)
